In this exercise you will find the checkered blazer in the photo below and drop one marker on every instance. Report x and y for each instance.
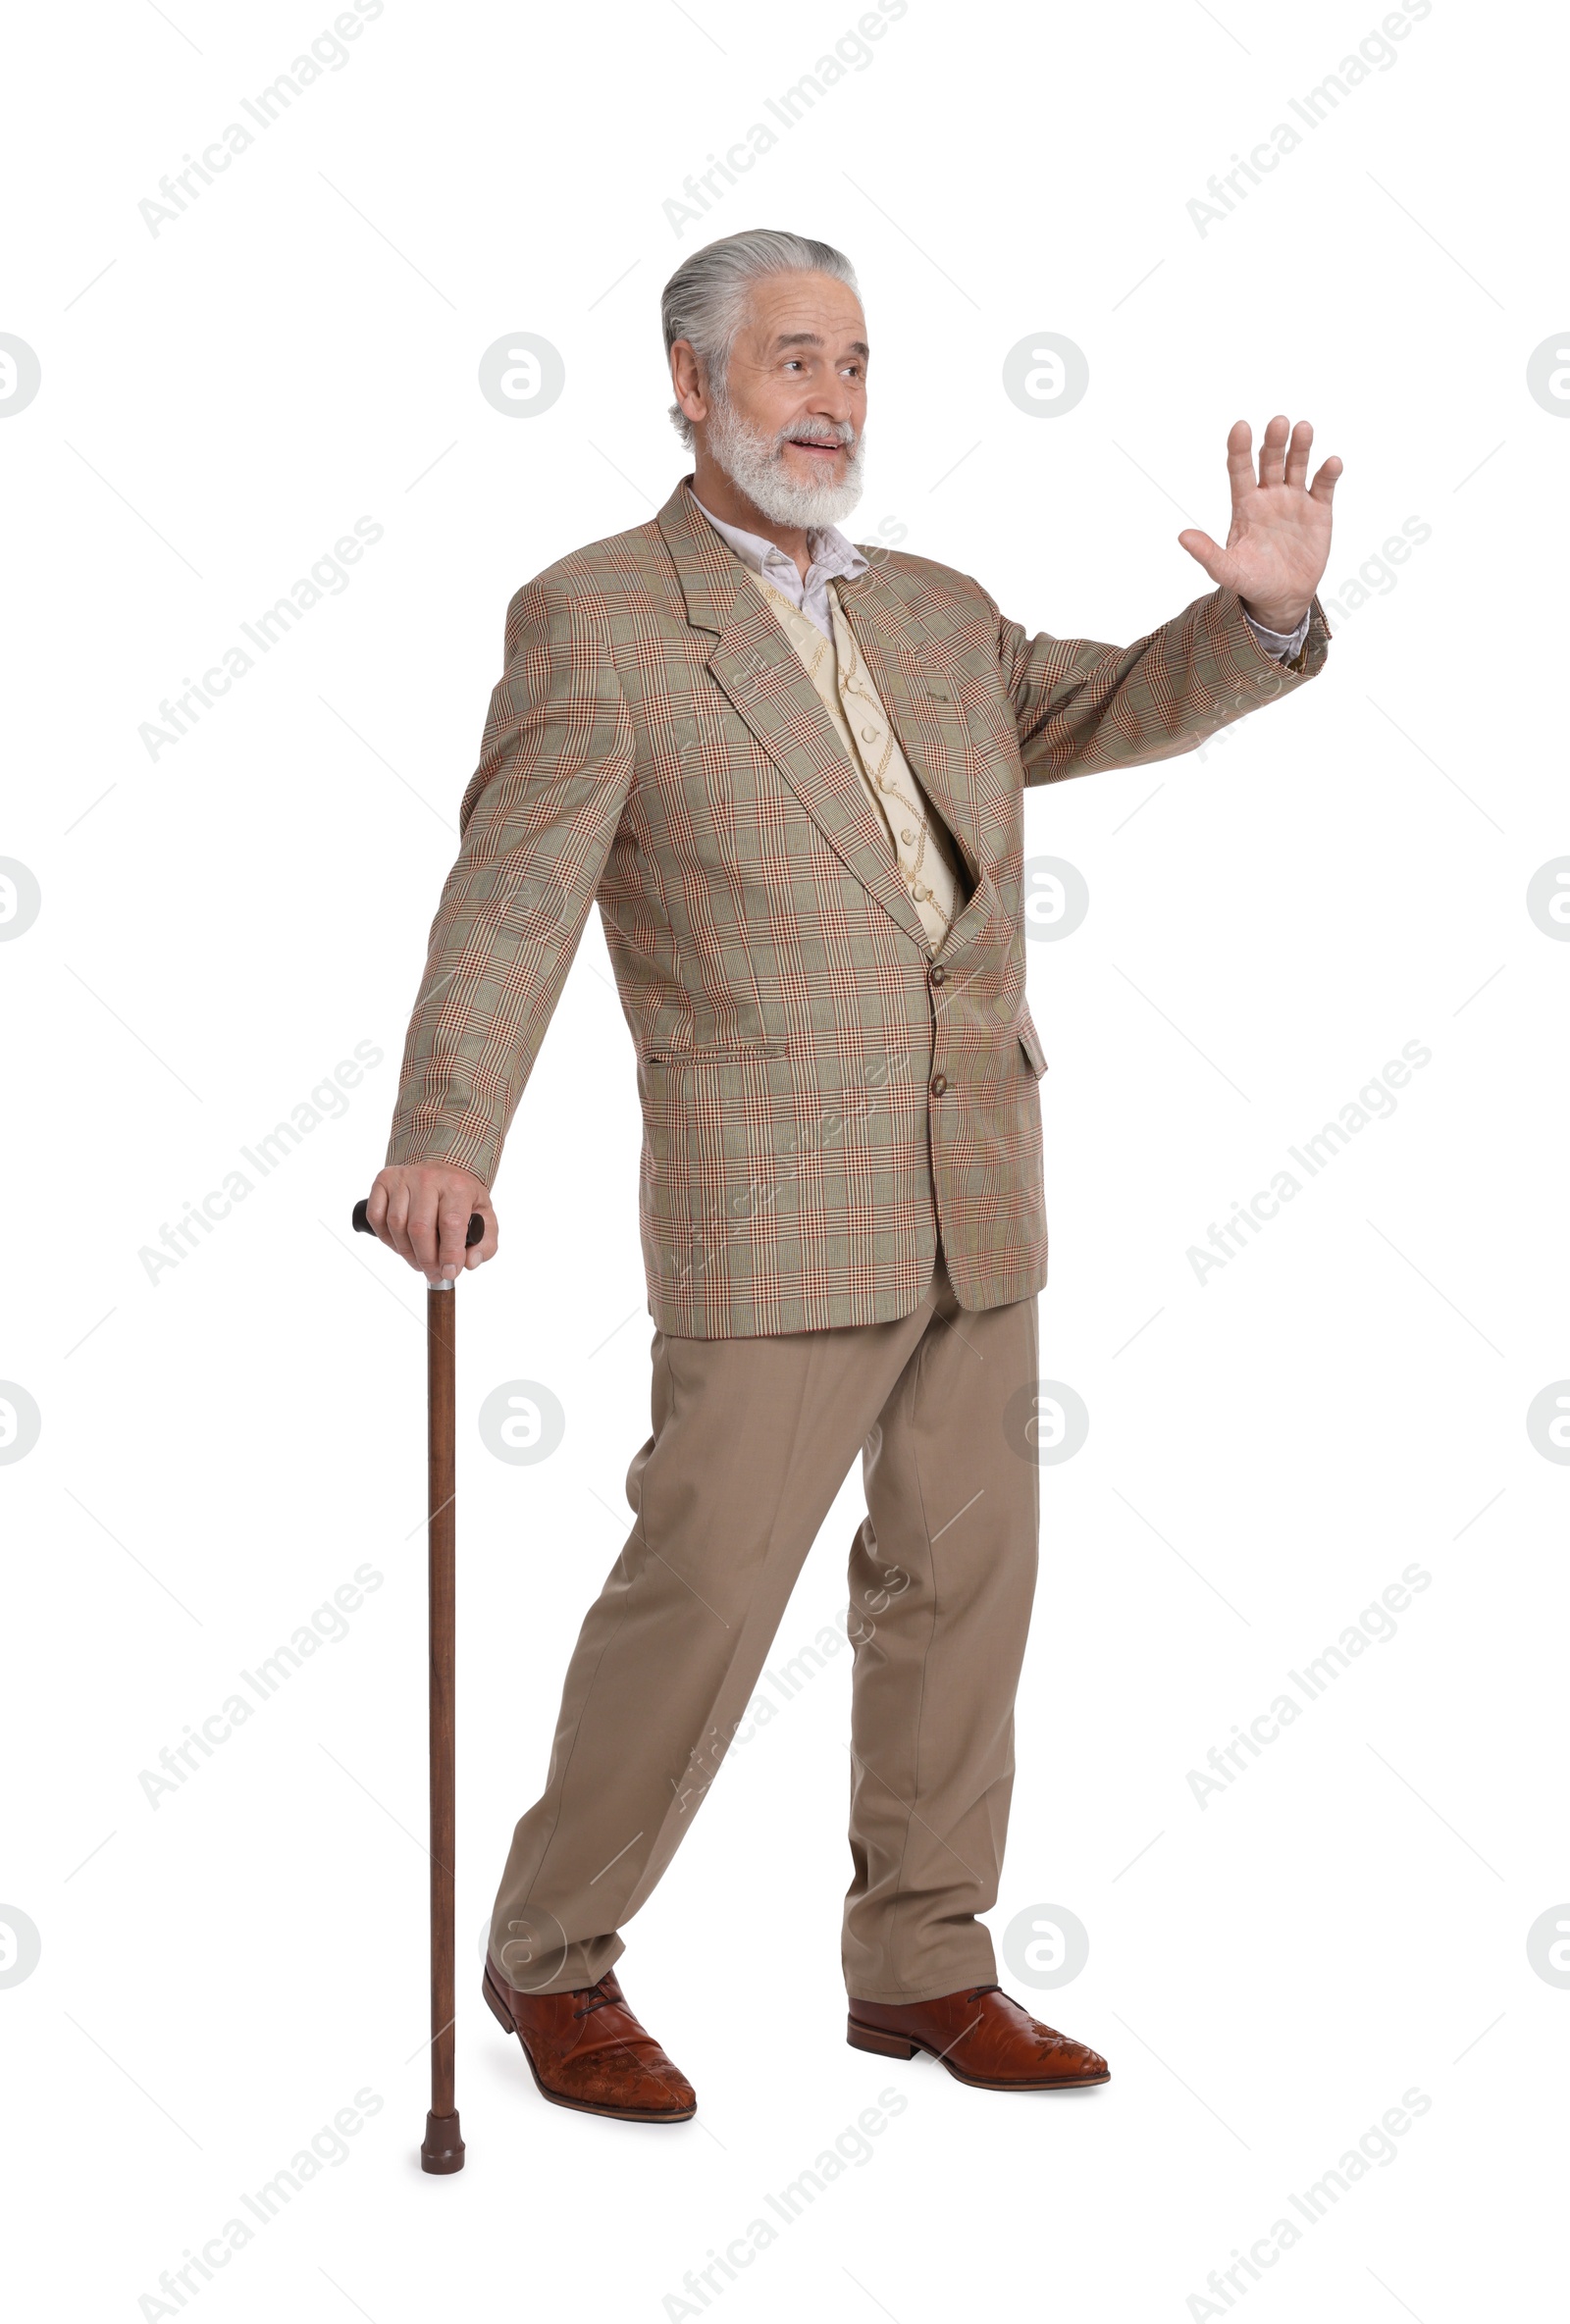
(821, 1094)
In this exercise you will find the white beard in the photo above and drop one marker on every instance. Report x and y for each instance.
(754, 464)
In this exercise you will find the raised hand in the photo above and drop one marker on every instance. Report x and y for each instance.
(1280, 540)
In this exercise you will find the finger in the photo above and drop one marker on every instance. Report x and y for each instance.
(1273, 450)
(376, 1208)
(1323, 488)
(1240, 462)
(421, 1228)
(1298, 453)
(396, 1223)
(452, 1225)
(1215, 560)
(486, 1247)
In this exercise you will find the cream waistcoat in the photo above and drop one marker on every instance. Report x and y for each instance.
(922, 847)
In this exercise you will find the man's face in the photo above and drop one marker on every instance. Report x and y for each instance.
(788, 429)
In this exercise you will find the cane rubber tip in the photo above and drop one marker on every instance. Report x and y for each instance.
(442, 2150)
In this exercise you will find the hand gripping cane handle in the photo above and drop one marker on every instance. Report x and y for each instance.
(363, 1226)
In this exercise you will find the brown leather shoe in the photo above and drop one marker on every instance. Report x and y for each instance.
(981, 2037)
(586, 2049)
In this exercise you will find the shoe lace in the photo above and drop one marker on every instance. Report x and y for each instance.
(599, 1999)
(976, 1991)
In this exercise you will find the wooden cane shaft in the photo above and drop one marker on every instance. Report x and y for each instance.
(441, 1309)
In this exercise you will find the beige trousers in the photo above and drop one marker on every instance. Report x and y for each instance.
(752, 1441)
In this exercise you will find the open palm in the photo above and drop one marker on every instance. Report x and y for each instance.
(1280, 540)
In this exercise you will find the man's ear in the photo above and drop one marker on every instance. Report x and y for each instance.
(687, 379)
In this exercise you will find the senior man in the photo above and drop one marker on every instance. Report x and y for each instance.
(791, 772)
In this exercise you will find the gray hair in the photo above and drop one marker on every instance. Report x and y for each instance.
(705, 299)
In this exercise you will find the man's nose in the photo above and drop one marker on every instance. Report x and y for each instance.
(834, 405)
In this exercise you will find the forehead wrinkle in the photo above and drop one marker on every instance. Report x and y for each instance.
(813, 339)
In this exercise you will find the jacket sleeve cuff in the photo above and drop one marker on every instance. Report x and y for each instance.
(1264, 670)
(1279, 645)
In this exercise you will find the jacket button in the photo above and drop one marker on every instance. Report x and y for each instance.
(940, 1082)
(940, 976)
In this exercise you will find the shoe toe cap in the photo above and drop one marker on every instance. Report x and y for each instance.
(634, 2083)
(1080, 2062)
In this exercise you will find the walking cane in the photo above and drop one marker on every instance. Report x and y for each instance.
(442, 2148)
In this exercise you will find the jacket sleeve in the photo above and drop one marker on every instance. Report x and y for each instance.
(1079, 706)
(537, 824)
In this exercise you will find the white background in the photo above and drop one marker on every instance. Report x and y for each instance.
(222, 1446)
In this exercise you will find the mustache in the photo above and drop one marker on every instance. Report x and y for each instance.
(841, 432)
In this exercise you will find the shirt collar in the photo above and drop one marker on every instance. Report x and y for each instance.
(834, 558)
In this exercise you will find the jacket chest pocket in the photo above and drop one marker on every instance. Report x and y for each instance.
(974, 759)
(985, 718)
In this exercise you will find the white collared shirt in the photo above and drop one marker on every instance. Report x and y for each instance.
(834, 558)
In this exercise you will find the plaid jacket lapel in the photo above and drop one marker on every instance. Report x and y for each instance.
(759, 670)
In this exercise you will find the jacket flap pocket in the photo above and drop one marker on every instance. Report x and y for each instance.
(1031, 1043)
(737, 1054)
